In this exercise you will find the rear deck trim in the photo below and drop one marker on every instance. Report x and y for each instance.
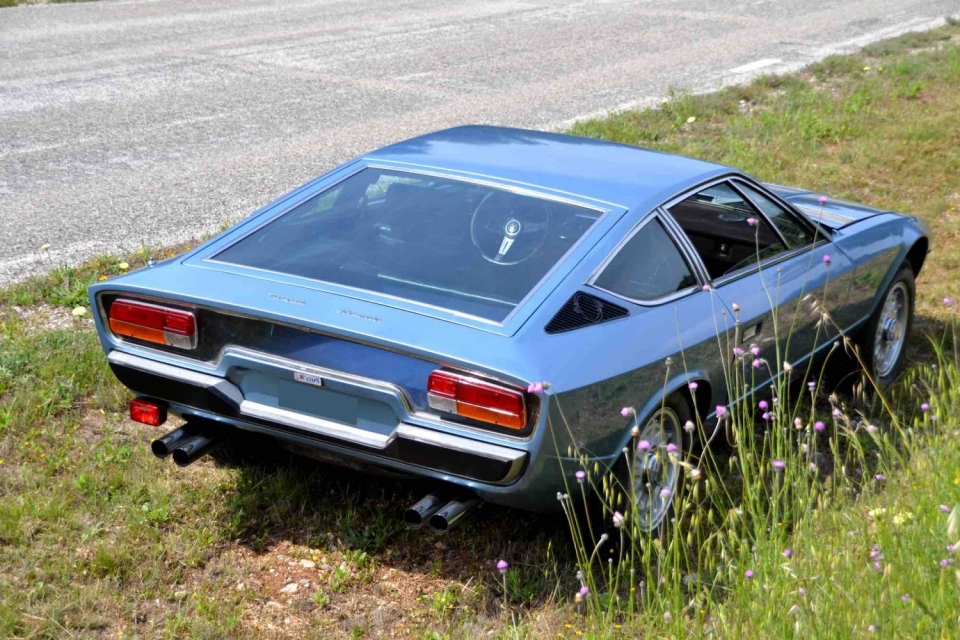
(409, 444)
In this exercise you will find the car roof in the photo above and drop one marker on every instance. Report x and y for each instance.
(615, 173)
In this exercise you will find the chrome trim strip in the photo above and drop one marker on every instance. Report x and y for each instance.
(315, 425)
(325, 427)
(456, 443)
(327, 374)
(194, 378)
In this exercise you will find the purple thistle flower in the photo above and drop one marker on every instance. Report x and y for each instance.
(944, 509)
(875, 552)
(872, 628)
(812, 385)
(530, 388)
(671, 448)
(837, 413)
(945, 563)
(801, 592)
(538, 387)
(625, 412)
(879, 477)
(822, 199)
(766, 415)
(905, 598)
(779, 464)
(502, 566)
(925, 407)
(948, 302)
(584, 591)
(705, 287)
(752, 222)
(950, 548)
(643, 445)
(664, 493)
(693, 386)
(756, 364)
(813, 465)
(878, 567)
(763, 405)
(721, 411)
(826, 259)
(581, 475)
(754, 349)
(748, 574)
(818, 426)
(737, 351)
(787, 553)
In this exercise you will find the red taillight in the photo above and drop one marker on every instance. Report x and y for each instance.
(477, 399)
(153, 323)
(148, 412)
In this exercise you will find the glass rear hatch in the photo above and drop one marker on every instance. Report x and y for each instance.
(452, 244)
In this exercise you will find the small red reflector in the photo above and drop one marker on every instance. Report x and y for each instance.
(148, 412)
(477, 399)
(153, 323)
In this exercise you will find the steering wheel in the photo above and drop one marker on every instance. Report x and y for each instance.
(508, 229)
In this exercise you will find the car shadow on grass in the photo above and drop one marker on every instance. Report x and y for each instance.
(341, 511)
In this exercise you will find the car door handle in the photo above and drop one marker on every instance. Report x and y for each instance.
(750, 332)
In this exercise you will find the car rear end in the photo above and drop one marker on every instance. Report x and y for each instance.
(345, 334)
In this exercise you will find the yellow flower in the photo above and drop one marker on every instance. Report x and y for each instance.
(902, 518)
(876, 513)
(79, 312)
(866, 68)
(102, 278)
(123, 266)
(691, 119)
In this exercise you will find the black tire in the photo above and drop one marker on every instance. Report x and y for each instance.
(876, 340)
(675, 410)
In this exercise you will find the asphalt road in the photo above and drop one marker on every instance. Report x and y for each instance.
(124, 122)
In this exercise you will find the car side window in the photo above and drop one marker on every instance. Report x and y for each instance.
(649, 266)
(728, 233)
(793, 231)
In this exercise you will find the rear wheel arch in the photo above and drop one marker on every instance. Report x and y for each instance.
(918, 254)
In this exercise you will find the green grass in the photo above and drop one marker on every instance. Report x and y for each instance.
(99, 539)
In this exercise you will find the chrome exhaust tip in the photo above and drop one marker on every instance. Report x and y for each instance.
(451, 513)
(415, 516)
(164, 445)
(192, 449)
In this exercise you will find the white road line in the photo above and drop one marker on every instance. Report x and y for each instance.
(758, 64)
(747, 72)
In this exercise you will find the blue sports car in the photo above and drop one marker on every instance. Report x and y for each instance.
(436, 308)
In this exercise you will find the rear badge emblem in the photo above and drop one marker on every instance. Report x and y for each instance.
(308, 378)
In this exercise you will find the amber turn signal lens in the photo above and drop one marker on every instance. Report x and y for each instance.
(153, 323)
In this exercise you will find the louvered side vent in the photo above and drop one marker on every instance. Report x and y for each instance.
(583, 310)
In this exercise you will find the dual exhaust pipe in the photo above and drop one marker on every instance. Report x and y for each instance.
(185, 445)
(189, 443)
(438, 513)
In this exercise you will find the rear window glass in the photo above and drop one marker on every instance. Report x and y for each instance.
(451, 244)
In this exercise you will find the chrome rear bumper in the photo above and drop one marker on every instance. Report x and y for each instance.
(407, 443)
